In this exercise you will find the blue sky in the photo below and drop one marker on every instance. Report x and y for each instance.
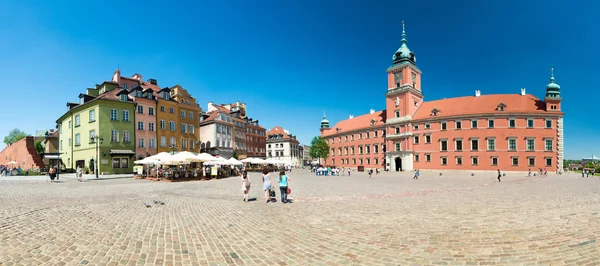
(290, 60)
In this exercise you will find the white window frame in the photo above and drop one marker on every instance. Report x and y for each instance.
(473, 159)
(125, 115)
(471, 143)
(140, 125)
(428, 157)
(512, 161)
(476, 123)
(428, 141)
(529, 161)
(140, 143)
(493, 139)
(442, 160)
(516, 144)
(416, 139)
(527, 144)
(92, 115)
(546, 123)
(512, 119)
(443, 125)
(114, 114)
(458, 124)
(492, 161)
(77, 139)
(532, 122)
(441, 142)
(462, 144)
(456, 160)
(546, 161)
(493, 124)
(551, 141)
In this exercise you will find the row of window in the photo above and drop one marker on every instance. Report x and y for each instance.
(361, 161)
(255, 131)
(361, 148)
(491, 144)
(512, 123)
(293, 153)
(493, 160)
(140, 110)
(368, 134)
(185, 128)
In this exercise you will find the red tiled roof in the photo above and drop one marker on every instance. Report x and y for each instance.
(355, 123)
(110, 95)
(484, 104)
(212, 116)
(278, 130)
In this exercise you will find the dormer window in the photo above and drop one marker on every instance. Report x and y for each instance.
(372, 121)
(81, 100)
(166, 95)
(138, 94)
(124, 97)
(435, 112)
(149, 96)
(501, 107)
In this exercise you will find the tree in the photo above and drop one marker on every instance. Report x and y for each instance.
(14, 136)
(39, 148)
(319, 148)
(235, 155)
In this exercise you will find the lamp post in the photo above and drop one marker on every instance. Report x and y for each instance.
(173, 148)
(97, 140)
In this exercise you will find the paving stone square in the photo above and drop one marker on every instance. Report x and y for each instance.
(453, 219)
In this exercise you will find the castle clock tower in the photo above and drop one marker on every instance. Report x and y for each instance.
(403, 98)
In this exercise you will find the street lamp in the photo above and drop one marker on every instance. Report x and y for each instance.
(173, 148)
(97, 140)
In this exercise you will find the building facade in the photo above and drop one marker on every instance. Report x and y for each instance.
(510, 132)
(216, 131)
(106, 112)
(189, 117)
(167, 119)
(283, 146)
(256, 139)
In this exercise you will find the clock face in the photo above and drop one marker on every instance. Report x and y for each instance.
(398, 77)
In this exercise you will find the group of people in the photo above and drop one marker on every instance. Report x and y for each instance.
(587, 173)
(7, 170)
(283, 180)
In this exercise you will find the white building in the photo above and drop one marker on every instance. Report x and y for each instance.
(283, 146)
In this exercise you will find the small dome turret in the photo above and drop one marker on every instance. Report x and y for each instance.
(403, 53)
(552, 89)
(324, 122)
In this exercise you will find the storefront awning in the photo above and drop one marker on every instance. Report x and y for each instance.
(122, 152)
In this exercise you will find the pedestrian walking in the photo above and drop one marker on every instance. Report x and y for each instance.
(417, 173)
(370, 174)
(79, 174)
(52, 173)
(499, 175)
(283, 186)
(266, 183)
(529, 174)
(245, 184)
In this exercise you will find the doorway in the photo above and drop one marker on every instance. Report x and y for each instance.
(398, 162)
(92, 166)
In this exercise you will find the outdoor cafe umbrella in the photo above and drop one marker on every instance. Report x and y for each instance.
(204, 157)
(234, 161)
(13, 162)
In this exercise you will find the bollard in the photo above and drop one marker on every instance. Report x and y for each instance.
(504, 174)
(440, 174)
(534, 174)
(472, 174)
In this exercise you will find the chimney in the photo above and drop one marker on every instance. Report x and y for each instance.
(152, 81)
(137, 76)
(351, 116)
(523, 91)
(372, 111)
(477, 93)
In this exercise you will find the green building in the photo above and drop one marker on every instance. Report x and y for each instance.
(104, 113)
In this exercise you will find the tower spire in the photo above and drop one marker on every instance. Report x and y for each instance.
(403, 34)
(552, 74)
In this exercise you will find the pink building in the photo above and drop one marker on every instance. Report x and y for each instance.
(510, 132)
(145, 113)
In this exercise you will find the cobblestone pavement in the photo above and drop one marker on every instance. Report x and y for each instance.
(454, 219)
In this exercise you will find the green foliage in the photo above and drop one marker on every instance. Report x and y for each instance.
(319, 148)
(235, 155)
(14, 136)
(39, 148)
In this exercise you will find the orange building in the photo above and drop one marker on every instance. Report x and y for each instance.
(189, 119)
(510, 132)
(167, 118)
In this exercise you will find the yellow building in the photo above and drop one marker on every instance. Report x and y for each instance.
(188, 119)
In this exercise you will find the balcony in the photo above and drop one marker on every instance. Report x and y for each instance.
(397, 120)
(399, 135)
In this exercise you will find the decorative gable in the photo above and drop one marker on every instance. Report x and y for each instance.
(434, 111)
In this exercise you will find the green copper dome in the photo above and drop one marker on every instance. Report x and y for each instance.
(403, 53)
(324, 122)
(552, 89)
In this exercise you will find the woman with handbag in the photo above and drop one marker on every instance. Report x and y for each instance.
(283, 186)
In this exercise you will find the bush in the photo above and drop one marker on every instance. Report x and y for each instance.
(86, 170)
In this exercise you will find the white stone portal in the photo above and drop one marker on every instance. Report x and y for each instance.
(404, 158)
